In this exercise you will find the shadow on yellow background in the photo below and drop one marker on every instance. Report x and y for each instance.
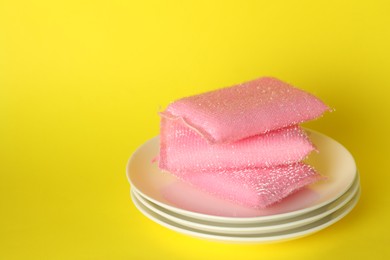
(81, 83)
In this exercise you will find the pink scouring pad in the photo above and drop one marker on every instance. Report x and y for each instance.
(245, 110)
(255, 187)
(182, 148)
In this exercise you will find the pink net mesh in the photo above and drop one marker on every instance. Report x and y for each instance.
(183, 148)
(241, 143)
(247, 109)
(254, 187)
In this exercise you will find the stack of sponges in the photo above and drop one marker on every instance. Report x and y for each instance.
(242, 143)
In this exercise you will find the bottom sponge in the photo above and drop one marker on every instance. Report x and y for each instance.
(253, 187)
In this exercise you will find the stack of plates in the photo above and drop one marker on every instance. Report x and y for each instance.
(185, 209)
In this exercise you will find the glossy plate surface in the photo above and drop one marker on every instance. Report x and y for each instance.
(333, 161)
(269, 237)
(250, 228)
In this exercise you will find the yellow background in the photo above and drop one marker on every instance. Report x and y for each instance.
(81, 82)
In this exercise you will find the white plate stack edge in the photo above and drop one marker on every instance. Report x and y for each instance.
(184, 209)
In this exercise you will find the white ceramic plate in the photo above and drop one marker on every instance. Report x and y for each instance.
(333, 161)
(252, 238)
(251, 228)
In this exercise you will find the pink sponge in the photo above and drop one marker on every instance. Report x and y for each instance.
(241, 143)
(245, 110)
(182, 148)
(255, 187)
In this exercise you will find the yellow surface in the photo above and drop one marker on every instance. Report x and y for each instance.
(81, 82)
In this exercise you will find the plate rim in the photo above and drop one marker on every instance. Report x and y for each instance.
(262, 238)
(244, 219)
(265, 227)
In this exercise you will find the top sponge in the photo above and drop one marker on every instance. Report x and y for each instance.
(246, 109)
